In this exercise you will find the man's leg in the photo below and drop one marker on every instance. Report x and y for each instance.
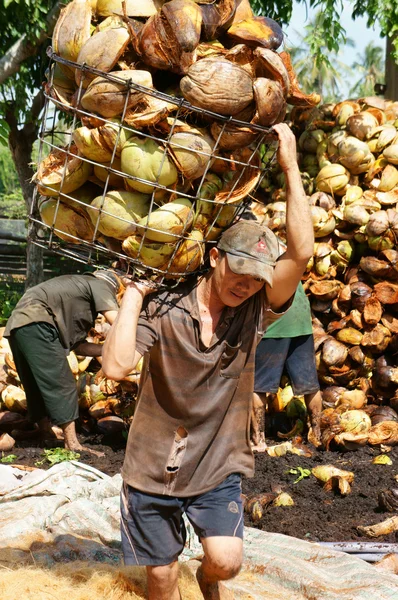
(222, 561)
(314, 407)
(163, 582)
(153, 535)
(217, 518)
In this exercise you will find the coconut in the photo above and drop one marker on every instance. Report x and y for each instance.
(118, 212)
(189, 255)
(218, 85)
(151, 254)
(68, 224)
(108, 97)
(169, 222)
(62, 171)
(146, 159)
(105, 173)
(14, 399)
(192, 152)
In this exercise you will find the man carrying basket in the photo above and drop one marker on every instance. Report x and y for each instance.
(189, 441)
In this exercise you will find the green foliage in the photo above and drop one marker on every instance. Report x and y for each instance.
(57, 455)
(302, 473)
(8, 300)
(331, 36)
(22, 18)
(369, 68)
(8, 459)
(12, 204)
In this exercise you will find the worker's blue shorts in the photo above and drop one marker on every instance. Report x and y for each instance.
(295, 355)
(153, 530)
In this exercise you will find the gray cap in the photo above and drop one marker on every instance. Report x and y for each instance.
(252, 249)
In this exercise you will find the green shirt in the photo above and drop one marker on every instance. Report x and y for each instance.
(297, 320)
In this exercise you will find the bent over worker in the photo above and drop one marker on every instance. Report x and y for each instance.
(189, 445)
(49, 321)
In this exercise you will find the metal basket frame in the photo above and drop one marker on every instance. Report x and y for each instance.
(93, 252)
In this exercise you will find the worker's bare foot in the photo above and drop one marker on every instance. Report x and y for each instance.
(213, 591)
(79, 448)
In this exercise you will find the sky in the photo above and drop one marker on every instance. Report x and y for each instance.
(356, 30)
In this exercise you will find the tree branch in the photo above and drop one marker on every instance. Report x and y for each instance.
(23, 48)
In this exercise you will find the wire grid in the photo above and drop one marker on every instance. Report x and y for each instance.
(240, 172)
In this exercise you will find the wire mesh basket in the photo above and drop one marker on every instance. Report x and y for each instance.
(131, 174)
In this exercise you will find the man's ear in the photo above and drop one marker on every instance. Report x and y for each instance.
(214, 256)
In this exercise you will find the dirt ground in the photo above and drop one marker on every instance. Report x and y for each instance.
(317, 515)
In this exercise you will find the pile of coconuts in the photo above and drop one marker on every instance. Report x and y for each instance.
(165, 109)
(348, 157)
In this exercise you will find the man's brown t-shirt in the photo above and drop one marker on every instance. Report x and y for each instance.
(191, 425)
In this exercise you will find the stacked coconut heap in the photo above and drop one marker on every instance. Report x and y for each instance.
(349, 157)
(170, 103)
(106, 406)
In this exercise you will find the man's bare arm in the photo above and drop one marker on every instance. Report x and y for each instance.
(119, 355)
(300, 234)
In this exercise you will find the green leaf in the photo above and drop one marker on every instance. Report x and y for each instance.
(8, 459)
(57, 455)
(302, 473)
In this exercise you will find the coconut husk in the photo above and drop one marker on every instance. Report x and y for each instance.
(242, 55)
(349, 335)
(334, 353)
(134, 8)
(390, 321)
(148, 112)
(372, 311)
(168, 39)
(71, 31)
(386, 292)
(270, 101)
(61, 171)
(326, 290)
(256, 31)
(216, 17)
(115, 40)
(269, 64)
(296, 96)
(246, 177)
(377, 339)
(385, 432)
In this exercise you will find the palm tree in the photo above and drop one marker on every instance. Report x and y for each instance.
(325, 76)
(370, 68)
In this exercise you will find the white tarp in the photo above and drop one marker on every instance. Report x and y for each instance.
(73, 510)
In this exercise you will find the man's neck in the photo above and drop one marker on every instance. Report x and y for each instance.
(208, 300)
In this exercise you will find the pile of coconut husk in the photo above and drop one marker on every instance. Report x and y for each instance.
(106, 406)
(348, 157)
(168, 105)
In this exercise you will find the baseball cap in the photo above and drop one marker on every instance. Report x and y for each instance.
(252, 249)
(109, 276)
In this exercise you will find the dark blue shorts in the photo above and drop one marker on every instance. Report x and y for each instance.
(296, 355)
(153, 530)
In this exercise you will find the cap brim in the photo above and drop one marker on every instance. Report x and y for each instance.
(255, 268)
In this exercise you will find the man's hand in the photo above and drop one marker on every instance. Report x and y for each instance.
(287, 150)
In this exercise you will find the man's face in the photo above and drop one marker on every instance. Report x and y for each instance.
(231, 288)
